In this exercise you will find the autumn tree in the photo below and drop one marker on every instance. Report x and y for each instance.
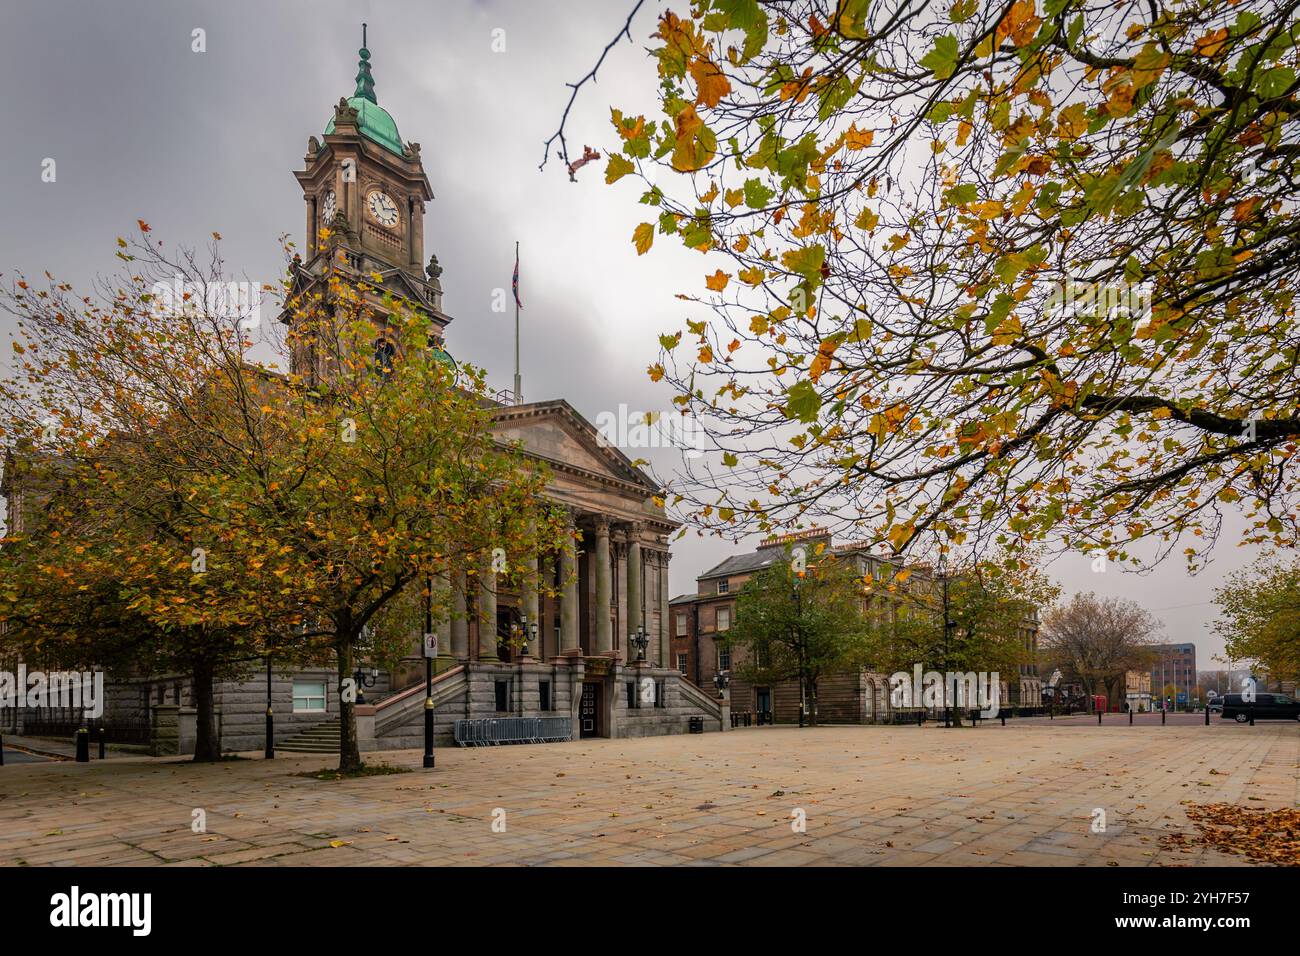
(967, 613)
(800, 626)
(1096, 640)
(1259, 620)
(1008, 271)
(297, 504)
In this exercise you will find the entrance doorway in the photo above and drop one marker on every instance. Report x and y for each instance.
(507, 622)
(763, 704)
(589, 709)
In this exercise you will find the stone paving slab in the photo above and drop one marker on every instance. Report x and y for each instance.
(1026, 794)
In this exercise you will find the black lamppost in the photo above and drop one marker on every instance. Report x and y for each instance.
(364, 680)
(721, 680)
(270, 719)
(428, 674)
(640, 640)
(798, 637)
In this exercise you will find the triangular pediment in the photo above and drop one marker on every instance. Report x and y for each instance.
(555, 432)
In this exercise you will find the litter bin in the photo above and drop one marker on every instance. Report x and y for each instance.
(697, 725)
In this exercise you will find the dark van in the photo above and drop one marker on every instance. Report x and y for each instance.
(1265, 707)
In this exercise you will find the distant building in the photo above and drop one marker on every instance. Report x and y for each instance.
(1137, 691)
(1173, 675)
(698, 624)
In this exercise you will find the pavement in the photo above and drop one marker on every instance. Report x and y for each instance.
(1032, 793)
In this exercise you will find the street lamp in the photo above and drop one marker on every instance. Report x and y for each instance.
(640, 640)
(721, 680)
(364, 680)
(429, 643)
(270, 720)
(798, 639)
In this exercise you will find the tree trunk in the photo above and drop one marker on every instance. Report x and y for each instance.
(349, 755)
(206, 746)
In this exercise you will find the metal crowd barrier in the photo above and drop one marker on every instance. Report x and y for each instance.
(491, 731)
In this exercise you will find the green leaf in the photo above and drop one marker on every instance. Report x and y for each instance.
(942, 60)
(618, 168)
(757, 195)
(802, 402)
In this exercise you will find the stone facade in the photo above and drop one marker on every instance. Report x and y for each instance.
(611, 583)
(698, 647)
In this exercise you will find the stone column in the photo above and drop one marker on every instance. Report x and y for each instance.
(604, 627)
(460, 617)
(529, 605)
(487, 611)
(569, 583)
(634, 619)
(446, 655)
(665, 640)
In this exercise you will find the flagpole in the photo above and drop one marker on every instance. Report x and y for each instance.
(519, 398)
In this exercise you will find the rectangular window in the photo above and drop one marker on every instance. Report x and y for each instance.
(681, 623)
(503, 695)
(724, 618)
(543, 695)
(724, 586)
(681, 663)
(724, 658)
(309, 697)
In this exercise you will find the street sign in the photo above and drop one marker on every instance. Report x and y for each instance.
(431, 645)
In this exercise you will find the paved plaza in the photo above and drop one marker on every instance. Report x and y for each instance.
(1026, 794)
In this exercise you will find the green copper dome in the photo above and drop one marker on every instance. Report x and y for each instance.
(373, 121)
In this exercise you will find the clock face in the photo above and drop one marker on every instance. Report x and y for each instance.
(382, 209)
(328, 207)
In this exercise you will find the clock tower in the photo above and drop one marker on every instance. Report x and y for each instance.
(365, 192)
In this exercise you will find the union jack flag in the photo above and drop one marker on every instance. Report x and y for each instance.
(514, 285)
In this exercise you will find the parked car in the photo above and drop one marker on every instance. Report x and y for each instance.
(1215, 706)
(1265, 707)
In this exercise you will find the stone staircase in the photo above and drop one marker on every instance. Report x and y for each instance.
(322, 738)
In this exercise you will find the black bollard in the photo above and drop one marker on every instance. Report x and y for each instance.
(1252, 714)
(1098, 718)
(102, 740)
(83, 745)
(1004, 718)
(1162, 716)
(2, 750)
(1207, 716)
(1130, 716)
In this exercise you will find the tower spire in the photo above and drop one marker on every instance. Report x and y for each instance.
(365, 82)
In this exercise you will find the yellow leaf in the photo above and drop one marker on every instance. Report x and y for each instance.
(717, 282)
(643, 237)
(710, 81)
(856, 139)
(1212, 43)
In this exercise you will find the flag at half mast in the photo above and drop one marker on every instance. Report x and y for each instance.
(515, 283)
(519, 389)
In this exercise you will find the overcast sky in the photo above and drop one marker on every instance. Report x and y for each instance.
(142, 127)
